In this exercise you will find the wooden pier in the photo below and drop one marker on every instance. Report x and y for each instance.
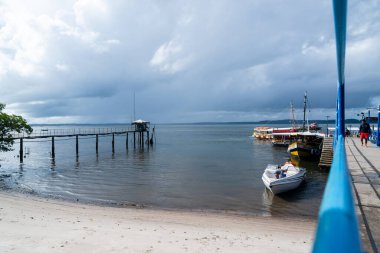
(364, 167)
(140, 136)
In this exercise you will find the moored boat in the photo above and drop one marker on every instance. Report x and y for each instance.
(284, 178)
(282, 136)
(306, 145)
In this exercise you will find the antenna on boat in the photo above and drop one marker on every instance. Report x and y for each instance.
(304, 111)
(293, 118)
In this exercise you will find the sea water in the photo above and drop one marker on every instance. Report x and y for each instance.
(215, 167)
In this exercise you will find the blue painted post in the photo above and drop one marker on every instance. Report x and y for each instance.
(337, 229)
(378, 128)
(340, 17)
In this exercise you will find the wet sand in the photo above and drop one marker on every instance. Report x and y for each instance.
(33, 224)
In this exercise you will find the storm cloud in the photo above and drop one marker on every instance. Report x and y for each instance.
(185, 61)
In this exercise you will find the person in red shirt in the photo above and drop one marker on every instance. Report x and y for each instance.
(364, 131)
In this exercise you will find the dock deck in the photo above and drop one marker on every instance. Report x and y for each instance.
(138, 128)
(364, 166)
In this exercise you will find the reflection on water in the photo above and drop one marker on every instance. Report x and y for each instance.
(216, 167)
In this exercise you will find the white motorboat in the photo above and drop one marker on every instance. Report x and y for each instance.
(283, 178)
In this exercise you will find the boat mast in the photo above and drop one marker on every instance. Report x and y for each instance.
(304, 112)
(293, 118)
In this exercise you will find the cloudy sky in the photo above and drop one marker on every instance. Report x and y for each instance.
(186, 61)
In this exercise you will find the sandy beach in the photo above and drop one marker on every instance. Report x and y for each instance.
(32, 224)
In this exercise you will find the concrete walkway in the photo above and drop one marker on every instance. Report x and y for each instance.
(364, 165)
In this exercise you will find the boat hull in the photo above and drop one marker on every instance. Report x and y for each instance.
(280, 185)
(304, 152)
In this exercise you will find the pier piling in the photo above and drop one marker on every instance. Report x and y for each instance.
(113, 143)
(77, 145)
(60, 133)
(21, 150)
(52, 147)
(97, 144)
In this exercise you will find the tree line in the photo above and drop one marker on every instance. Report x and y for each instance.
(11, 123)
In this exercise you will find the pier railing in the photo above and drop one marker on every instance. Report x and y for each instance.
(337, 229)
(44, 133)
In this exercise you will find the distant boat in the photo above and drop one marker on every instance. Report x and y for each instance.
(314, 127)
(262, 133)
(283, 136)
(284, 178)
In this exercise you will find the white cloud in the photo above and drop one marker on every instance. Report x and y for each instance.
(89, 10)
(169, 58)
(22, 39)
(62, 67)
(113, 42)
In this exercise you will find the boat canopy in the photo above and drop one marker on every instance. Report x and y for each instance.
(263, 129)
(308, 134)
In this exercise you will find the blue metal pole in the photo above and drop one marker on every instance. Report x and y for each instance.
(337, 229)
(340, 17)
(340, 111)
(378, 128)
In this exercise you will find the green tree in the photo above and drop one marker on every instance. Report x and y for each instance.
(9, 124)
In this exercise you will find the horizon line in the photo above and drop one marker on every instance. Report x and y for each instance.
(195, 123)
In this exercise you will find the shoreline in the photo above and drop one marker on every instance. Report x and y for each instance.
(37, 224)
(136, 205)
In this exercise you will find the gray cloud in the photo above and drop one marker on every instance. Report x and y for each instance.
(81, 61)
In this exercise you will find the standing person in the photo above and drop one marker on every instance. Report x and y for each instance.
(347, 132)
(364, 131)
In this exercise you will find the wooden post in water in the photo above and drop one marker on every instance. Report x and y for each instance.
(77, 144)
(113, 143)
(142, 139)
(134, 139)
(147, 137)
(97, 144)
(21, 150)
(52, 147)
(126, 142)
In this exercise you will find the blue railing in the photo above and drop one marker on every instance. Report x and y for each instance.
(337, 229)
(378, 128)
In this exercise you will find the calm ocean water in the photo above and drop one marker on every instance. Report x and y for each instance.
(198, 167)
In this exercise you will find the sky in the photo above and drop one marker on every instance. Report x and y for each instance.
(83, 61)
